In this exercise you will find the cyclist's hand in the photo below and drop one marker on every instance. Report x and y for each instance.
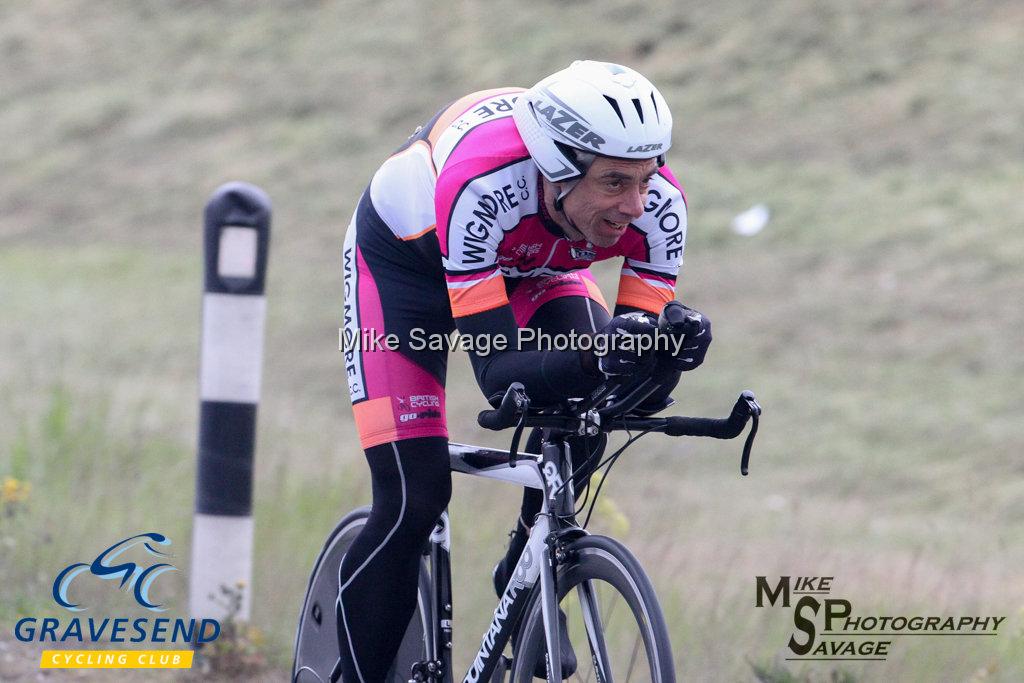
(630, 344)
(696, 328)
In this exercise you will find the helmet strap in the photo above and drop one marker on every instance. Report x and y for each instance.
(559, 201)
(558, 204)
(567, 187)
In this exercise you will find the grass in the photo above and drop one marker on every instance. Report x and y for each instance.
(877, 317)
(103, 484)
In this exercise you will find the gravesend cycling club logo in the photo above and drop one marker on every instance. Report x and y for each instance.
(136, 577)
(828, 628)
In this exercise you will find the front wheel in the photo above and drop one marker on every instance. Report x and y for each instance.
(615, 624)
(316, 640)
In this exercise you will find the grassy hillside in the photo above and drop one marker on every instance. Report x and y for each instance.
(878, 315)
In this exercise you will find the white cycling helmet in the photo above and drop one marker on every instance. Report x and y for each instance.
(595, 107)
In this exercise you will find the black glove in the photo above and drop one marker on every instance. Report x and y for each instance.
(695, 329)
(630, 344)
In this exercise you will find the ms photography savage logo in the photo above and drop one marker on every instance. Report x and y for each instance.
(136, 578)
(847, 636)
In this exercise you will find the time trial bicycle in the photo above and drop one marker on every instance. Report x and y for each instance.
(613, 619)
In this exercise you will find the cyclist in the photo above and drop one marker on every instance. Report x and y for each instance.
(486, 220)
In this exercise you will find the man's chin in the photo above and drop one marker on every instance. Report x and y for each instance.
(605, 240)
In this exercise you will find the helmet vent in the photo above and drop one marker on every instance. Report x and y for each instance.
(615, 106)
(639, 111)
(655, 103)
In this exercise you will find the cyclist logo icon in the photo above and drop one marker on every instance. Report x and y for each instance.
(133, 577)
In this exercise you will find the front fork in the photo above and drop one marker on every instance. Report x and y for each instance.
(560, 501)
(549, 598)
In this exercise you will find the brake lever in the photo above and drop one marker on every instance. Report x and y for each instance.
(513, 451)
(754, 410)
(523, 406)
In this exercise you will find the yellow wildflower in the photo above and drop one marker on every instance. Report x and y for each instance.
(14, 491)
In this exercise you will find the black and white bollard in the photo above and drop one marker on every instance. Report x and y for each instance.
(236, 240)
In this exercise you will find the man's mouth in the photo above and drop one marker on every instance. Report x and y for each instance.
(616, 226)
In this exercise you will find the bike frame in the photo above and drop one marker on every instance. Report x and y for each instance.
(548, 472)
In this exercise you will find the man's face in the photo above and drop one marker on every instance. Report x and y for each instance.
(609, 197)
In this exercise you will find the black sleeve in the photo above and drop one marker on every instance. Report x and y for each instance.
(548, 376)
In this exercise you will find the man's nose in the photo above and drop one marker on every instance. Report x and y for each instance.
(632, 204)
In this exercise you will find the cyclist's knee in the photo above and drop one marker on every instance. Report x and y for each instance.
(426, 483)
(431, 491)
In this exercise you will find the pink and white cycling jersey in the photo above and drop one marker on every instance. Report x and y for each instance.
(466, 184)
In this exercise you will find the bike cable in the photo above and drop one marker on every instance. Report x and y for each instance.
(607, 464)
